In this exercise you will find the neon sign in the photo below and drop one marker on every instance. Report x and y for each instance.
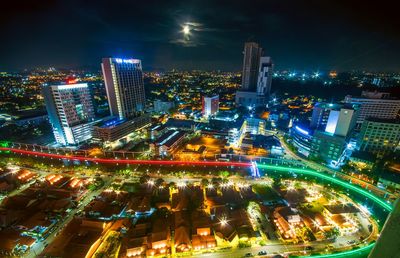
(127, 61)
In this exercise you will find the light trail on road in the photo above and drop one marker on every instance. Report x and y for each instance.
(128, 161)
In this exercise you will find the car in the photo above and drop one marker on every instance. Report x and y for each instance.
(248, 255)
(262, 252)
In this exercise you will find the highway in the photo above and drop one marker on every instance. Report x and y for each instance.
(126, 161)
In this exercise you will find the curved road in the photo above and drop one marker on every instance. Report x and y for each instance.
(376, 190)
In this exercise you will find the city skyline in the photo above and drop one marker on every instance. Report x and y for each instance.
(131, 158)
(311, 35)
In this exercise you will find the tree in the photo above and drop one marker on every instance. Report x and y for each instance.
(144, 179)
(332, 233)
(159, 181)
(277, 183)
(91, 187)
(224, 174)
(204, 182)
(216, 180)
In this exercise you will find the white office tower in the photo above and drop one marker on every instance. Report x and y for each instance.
(265, 76)
(341, 122)
(124, 86)
(70, 111)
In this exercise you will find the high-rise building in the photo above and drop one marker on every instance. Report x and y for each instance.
(126, 99)
(265, 76)
(379, 136)
(327, 146)
(210, 105)
(256, 77)
(321, 113)
(333, 124)
(251, 61)
(124, 85)
(335, 119)
(70, 111)
(375, 104)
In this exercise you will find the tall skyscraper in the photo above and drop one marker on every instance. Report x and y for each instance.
(251, 61)
(124, 86)
(265, 76)
(210, 105)
(70, 111)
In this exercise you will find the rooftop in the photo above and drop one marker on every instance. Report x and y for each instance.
(169, 138)
(112, 122)
(341, 208)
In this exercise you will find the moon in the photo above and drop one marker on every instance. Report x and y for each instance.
(186, 30)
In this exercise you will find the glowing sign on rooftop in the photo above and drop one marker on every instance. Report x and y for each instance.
(71, 86)
(127, 61)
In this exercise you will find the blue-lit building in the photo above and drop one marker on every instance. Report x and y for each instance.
(71, 113)
(125, 87)
(333, 124)
(114, 128)
(335, 119)
(302, 139)
(126, 99)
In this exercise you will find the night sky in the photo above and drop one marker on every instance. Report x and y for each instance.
(323, 35)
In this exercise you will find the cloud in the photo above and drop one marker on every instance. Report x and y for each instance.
(186, 42)
(193, 39)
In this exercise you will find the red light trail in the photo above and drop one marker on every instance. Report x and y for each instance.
(129, 161)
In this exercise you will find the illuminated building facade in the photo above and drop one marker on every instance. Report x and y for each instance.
(124, 85)
(114, 129)
(320, 115)
(265, 76)
(302, 139)
(70, 111)
(376, 105)
(327, 146)
(168, 143)
(210, 105)
(335, 119)
(379, 136)
(126, 98)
